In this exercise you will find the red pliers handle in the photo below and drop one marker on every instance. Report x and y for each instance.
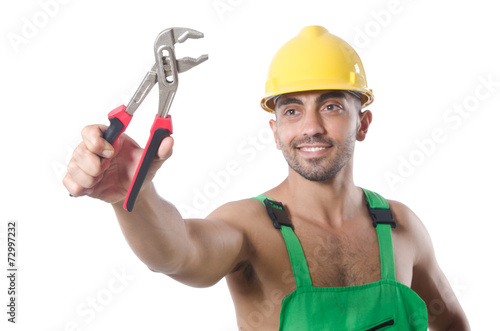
(118, 122)
(162, 128)
(164, 72)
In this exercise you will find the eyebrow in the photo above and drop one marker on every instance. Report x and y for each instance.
(331, 94)
(289, 101)
(320, 99)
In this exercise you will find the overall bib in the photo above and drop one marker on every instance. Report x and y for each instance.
(382, 305)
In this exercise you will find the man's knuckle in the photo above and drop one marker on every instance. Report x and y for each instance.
(72, 187)
(92, 138)
(87, 182)
(95, 170)
(66, 181)
(86, 131)
(96, 145)
(71, 167)
(77, 154)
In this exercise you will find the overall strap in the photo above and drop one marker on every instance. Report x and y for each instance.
(278, 215)
(383, 221)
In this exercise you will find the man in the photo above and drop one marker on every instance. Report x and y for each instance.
(316, 262)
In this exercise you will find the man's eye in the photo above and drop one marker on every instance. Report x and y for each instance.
(333, 107)
(290, 111)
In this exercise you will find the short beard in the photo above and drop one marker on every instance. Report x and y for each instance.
(316, 169)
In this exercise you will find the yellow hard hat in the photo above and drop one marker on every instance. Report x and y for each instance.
(315, 60)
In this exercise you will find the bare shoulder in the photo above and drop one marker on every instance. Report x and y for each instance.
(411, 229)
(403, 215)
(249, 218)
(238, 212)
(405, 218)
(246, 216)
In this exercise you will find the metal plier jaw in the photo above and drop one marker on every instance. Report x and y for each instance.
(164, 72)
(168, 66)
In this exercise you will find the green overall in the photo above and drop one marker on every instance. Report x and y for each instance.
(382, 305)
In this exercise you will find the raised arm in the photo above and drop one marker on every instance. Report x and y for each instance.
(196, 252)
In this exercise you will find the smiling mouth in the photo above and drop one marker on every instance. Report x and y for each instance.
(312, 149)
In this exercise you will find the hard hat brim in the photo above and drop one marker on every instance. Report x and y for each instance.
(267, 102)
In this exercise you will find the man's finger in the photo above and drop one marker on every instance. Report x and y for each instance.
(95, 143)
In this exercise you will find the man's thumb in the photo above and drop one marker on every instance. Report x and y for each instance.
(165, 149)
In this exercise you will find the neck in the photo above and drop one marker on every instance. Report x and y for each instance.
(333, 201)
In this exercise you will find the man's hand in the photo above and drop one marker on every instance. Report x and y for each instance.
(103, 171)
(198, 252)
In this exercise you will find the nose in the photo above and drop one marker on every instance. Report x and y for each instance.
(312, 123)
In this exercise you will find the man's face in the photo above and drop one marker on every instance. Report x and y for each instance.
(316, 131)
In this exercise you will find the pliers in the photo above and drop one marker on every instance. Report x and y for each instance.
(164, 72)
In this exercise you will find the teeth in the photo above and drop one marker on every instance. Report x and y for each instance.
(312, 149)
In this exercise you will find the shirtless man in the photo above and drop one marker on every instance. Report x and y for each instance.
(316, 129)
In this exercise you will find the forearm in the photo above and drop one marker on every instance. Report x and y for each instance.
(155, 231)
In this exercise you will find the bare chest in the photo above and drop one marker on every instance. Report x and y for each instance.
(341, 258)
(334, 259)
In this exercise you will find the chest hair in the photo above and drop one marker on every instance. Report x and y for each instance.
(337, 259)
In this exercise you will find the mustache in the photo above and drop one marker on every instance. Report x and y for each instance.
(312, 140)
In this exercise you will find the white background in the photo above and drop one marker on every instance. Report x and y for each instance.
(66, 64)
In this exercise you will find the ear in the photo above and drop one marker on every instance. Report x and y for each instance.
(274, 126)
(363, 125)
